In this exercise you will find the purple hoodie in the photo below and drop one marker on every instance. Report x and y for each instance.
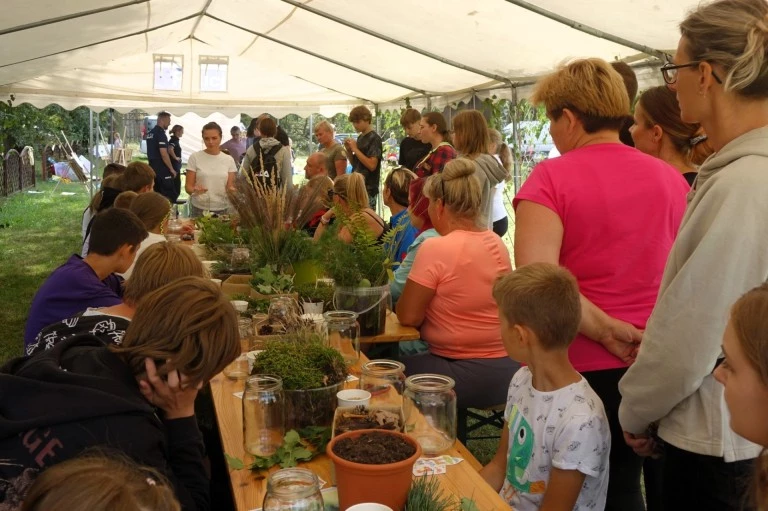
(71, 288)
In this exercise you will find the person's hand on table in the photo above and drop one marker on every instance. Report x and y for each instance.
(174, 395)
(622, 339)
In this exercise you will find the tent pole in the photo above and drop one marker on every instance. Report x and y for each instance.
(401, 44)
(90, 152)
(586, 29)
(515, 138)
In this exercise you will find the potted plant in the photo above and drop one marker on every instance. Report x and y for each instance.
(316, 297)
(373, 466)
(219, 235)
(268, 281)
(312, 374)
(361, 270)
(274, 218)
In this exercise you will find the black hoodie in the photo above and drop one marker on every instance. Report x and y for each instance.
(57, 403)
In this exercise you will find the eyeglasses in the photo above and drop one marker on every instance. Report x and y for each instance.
(669, 71)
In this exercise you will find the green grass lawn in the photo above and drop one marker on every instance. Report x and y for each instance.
(38, 233)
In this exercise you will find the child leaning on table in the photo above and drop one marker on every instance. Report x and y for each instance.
(555, 444)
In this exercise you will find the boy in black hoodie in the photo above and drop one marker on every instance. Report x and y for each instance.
(137, 398)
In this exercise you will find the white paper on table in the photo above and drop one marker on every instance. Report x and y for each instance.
(238, 395)
(352, 378)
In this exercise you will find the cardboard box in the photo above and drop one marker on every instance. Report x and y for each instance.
(237, 285)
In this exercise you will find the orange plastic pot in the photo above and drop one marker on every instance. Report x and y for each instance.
(383, 484)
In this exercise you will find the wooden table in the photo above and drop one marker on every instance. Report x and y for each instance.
(393, 332)
(461, 480)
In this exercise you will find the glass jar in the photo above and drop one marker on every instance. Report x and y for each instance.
(240, 257)
(284, 310)
(385, 380)
(238, 368)
(429, 406)
(293, 489)
(263, 415)
(344, 334)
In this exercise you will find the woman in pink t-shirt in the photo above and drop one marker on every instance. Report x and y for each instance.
(609, 214)
(448, 293)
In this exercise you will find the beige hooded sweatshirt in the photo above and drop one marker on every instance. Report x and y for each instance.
(721, 251)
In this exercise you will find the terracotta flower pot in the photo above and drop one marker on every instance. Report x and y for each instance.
(383, 484)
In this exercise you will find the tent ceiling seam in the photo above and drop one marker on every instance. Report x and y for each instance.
(69, 17)
(253, 41)
(396, 42)
(105, 41)
(200, 18)
(585, 28)
(317, 55)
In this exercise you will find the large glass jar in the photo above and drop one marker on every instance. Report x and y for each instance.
(293, 489)
(429, 406)
(263, 415)
(344, 334)
(385, 380)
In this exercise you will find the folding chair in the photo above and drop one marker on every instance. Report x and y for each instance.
(495, 419)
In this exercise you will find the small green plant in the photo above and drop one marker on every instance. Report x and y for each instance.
(268, 280)
(302, 445)
(218, 231)
(365, 261)
(425, 495)
(315, 293)
(302, 361)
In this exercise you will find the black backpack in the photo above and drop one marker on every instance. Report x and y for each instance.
(265, 164)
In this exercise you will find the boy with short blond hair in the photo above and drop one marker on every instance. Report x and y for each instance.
(365, 153)
(555, 445)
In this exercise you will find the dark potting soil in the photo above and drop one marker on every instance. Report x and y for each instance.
(374, 448)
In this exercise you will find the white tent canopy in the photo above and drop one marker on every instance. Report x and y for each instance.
(302, 56)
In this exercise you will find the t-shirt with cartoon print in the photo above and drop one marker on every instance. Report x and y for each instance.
(566, 429)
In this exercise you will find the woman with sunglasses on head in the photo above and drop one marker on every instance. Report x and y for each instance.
(350, 196)
(659, 131)
(720, 76)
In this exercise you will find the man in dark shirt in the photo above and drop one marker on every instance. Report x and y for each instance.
(157, 154)
(365, 153)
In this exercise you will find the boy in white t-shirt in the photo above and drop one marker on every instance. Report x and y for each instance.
(555, 444)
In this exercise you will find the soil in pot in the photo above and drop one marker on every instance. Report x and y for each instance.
(374, 448)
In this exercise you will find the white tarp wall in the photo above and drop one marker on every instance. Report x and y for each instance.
(290, 56)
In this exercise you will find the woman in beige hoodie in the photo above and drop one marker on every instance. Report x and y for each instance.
(720, 75)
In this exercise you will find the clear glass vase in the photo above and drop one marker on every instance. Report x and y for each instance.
(293, 489)
(429, 406)
(263, 415)
(385, 380)
(344, 334)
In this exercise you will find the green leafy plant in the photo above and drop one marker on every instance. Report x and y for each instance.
(302, 361)
(218, 231)
(314, 293)
(301, 445)
(363, 262)
(268, 280)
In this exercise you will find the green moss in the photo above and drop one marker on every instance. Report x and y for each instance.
(302, 361)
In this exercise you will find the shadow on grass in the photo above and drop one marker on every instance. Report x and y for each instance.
(40, 232)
